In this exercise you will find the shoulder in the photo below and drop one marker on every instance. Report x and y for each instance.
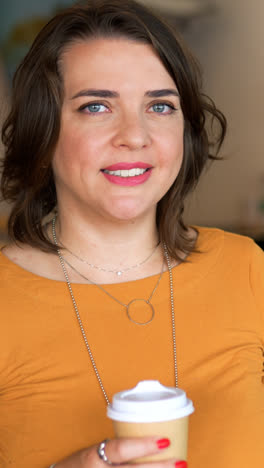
(24, 256)
(17, 253)
(232, 252)
(227, 241)
(236, 259)
(19, 259)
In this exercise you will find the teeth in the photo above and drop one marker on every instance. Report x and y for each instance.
(127, 173)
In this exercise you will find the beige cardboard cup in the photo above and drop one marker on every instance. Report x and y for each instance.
(155, 410)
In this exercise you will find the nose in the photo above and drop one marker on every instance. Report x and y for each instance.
(132, 132)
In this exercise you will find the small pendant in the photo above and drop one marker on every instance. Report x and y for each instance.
(119, 273)
(129, 311)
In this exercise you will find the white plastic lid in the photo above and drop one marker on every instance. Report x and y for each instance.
(150, 401)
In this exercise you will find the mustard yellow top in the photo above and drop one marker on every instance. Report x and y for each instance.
(50, 401)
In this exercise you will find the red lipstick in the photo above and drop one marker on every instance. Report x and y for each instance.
(127, 181)
(126, 166)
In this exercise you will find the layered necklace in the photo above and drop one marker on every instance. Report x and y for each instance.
(117, 271)
(127, 306)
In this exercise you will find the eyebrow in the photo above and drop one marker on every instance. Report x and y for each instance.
(106, 93)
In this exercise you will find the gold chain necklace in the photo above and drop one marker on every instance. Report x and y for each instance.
(81, 324)
(130, 304)
(117, 271)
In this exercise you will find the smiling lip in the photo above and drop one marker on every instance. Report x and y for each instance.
(128, 181)
(127, 166)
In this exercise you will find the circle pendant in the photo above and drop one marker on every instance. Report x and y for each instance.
(129, 311)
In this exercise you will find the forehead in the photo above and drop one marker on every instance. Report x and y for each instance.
(110, 62)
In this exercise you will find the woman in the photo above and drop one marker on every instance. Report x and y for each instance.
(106, 136)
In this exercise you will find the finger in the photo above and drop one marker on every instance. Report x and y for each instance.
(161, 464)
(124, 450)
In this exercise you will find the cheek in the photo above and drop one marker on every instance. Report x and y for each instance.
(73, 151)
(171, 154)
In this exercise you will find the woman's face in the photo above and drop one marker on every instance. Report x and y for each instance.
(120, 146)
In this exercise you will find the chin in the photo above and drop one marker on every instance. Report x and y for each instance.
(125, 217)
(127, 212)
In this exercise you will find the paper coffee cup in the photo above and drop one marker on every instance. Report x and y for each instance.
(154, 410)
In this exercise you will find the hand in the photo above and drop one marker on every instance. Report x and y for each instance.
(121, 451)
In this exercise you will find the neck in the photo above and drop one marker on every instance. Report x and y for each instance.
(107, 243)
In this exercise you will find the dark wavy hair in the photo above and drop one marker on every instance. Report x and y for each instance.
(31, 130)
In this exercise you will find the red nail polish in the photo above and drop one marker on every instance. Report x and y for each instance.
(163, 443)
(181, 464)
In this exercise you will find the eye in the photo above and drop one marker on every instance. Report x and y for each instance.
(94, 108)
(163, 108)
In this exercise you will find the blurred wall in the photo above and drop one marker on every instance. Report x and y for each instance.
(11, 10)
(230, 46)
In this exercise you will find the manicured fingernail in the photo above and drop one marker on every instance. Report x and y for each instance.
(163, 443)
(181, 464)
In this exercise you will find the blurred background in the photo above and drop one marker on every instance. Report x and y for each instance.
(227, 37)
